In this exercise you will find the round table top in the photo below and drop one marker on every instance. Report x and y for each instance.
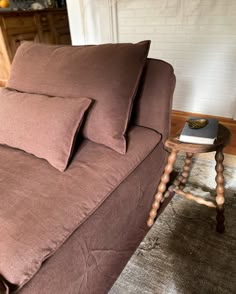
(222, 140)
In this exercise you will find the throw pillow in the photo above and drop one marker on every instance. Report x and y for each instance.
(108, 73)
(41, 125)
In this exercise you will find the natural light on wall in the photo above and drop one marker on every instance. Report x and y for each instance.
(92, 21)
(197, 37)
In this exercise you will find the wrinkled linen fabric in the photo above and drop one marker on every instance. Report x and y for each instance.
(109, 74)
(41, 207)
(95, 254)
(44, 126)
(153, 103)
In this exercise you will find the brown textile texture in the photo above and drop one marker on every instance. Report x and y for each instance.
(92, 258)
(109, 74)
(49, 206)
(94, 255)
(153, 103)
(41, 125)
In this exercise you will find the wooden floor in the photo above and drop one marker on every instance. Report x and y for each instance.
(178, 119)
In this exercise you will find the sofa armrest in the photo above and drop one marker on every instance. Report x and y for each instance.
(153, 102)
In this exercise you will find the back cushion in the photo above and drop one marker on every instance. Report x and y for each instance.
(108, 74)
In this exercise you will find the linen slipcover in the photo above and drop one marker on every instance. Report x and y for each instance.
(44, 126)
(41, 207)
(109, 74)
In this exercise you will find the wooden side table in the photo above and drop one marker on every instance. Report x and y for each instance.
(174, 145)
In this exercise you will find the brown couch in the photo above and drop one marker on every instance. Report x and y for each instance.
(94, 225)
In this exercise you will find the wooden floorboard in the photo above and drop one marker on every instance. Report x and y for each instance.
(178, 119)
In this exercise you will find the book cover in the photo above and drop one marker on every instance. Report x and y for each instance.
(205, 135)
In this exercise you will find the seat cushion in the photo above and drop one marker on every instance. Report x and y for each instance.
(41, 125)
(41, 207)
(108, 73)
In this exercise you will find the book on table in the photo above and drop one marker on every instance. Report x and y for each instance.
(205, 135)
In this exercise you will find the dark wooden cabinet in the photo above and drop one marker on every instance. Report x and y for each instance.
(16, 38)
(44, 26)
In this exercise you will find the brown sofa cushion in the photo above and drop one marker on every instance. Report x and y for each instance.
(41, 125)
(108, 73)
(41, 209)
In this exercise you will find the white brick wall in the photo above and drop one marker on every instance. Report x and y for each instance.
(198, 37)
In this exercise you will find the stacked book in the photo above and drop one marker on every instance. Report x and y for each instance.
(204, 135)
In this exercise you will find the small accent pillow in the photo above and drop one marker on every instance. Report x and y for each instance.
(108, 73)
(41, 125)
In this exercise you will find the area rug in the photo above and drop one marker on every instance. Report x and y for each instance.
(182, 253)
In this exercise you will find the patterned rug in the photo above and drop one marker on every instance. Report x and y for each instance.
(182, 253)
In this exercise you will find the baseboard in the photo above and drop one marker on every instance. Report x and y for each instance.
(184, 115)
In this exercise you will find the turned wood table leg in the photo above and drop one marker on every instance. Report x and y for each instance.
(162, 187)
(181, 179)
(220, 199)
(186, 170)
